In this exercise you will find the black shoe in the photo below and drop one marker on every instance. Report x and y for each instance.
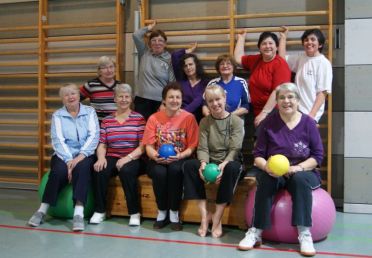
(158, 224)
(176, 226)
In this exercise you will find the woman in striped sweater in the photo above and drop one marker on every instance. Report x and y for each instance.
(119, 152)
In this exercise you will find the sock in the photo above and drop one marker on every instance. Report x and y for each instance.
(303, 230)
(162, 214)
(173, 216)
(79, 210)
(43, 207)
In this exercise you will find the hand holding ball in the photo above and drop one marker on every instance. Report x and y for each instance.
(210, 172)
(166, 150)
(278, 164)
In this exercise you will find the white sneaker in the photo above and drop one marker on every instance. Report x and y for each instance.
(97, 218)
(306, 245)
(135, 219)
(251, 239)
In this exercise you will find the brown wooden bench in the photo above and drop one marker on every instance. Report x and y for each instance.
(234, 214)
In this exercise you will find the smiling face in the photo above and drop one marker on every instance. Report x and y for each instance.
(123, 100)
(311, 45)
(157, 45)
(173, 101)
(226, 68)
(287, 102)
(70, 97)
(216, 101)
(268, 49)
(189, 67)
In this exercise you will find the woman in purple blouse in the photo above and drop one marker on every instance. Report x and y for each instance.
(294, 135)
(190, 74)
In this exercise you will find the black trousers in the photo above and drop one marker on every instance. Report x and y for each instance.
(167, 182)
(299, 185)
(194, 186)
(81, 180)
(146, 107)
(128, 175)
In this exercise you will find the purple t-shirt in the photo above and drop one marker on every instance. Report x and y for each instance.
(298, 144)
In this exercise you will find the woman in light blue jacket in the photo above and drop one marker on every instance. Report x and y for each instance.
(74, 135)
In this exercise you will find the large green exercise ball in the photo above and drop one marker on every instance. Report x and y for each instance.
(65, 205)
(210, 172)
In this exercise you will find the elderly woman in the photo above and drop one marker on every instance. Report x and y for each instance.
(313, 71)
(119, 152)
(171, 125)
(100, 90)
(220, 141)
(237, 96)
(268, 70)
(294, 135)
(155, 69)
(190, 74)
(74, 133)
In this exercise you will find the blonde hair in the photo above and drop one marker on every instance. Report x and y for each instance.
(214, 89)
(68, 87)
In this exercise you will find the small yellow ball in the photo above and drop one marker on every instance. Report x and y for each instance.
(278, 164)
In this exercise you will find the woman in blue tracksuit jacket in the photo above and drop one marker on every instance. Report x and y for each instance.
(74, 135)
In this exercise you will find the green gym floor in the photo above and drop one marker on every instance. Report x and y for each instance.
(351, 237)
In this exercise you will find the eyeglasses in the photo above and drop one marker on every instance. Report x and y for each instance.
(290, 97)
(226, 63)
(110, 67)
(157, 40)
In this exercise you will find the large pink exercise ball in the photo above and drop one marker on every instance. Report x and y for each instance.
(323, 216)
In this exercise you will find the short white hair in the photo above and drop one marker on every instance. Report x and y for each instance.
(123, 87)
(68, 87)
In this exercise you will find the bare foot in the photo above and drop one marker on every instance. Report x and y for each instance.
(216, 227)
(204, 225)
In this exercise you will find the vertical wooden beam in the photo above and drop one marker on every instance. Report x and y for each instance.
(119, 44)
(232, 9)
(144, 7)
(329, 111)
(43, 20)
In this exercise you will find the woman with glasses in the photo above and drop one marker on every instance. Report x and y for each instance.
(267, 71)
(155, 69)
(236, 88)
(100, 90)
(296, 136)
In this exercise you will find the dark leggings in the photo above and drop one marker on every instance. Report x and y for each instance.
(146, 107)
(128, 175)
(194, 188)
(167, 182)
(81, 180)
(300, 186)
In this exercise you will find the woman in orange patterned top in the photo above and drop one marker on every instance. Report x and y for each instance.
(175, 126)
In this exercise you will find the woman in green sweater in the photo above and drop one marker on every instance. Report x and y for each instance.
(220, 141)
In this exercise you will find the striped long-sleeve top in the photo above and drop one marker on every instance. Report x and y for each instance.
(122, 138)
